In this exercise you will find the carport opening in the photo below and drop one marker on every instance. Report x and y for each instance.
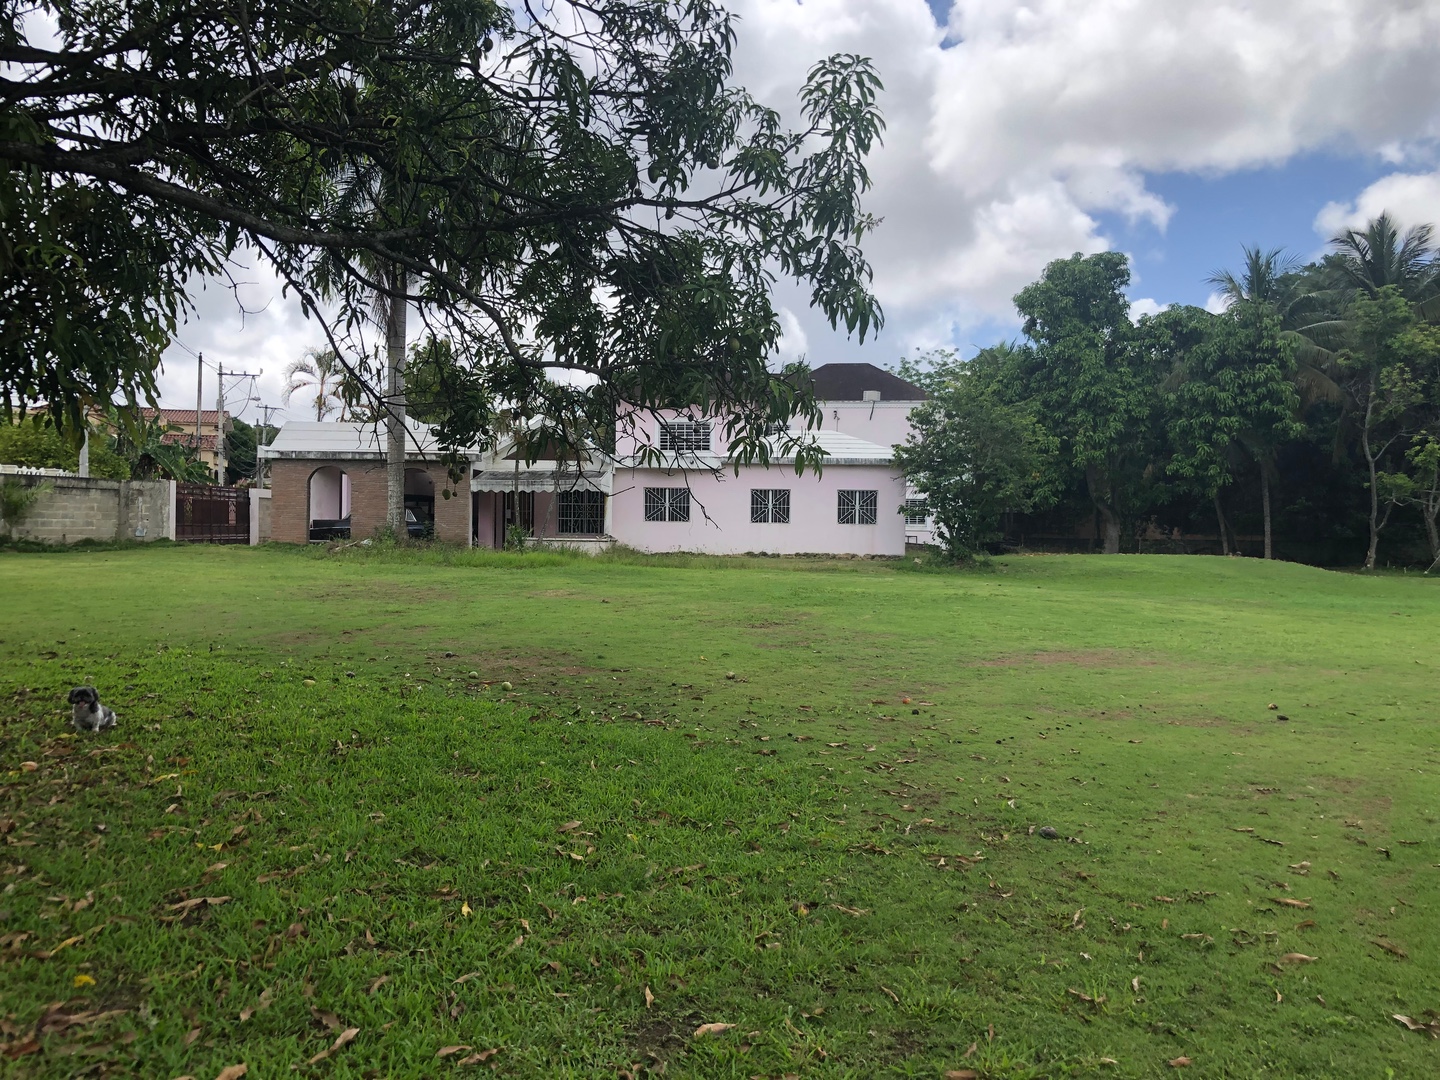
(329, 504)
(419, 504)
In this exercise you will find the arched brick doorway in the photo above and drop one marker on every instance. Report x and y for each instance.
(328, 517)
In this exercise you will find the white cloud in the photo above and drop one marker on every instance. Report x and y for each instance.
(1145, 306)
(1217, 303)
(794, 342)
(1410, 198)
(1002, 152)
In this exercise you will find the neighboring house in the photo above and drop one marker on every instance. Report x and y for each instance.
(183, 421)
(329, 481)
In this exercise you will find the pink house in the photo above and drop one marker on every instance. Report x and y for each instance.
(687, 495)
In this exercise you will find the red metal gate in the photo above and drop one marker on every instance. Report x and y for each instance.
(209, 514)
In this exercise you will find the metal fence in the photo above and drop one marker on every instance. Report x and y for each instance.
(209, 514)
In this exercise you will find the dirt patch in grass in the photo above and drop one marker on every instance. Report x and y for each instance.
(1091, 658)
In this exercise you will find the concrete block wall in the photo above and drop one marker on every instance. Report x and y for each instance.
(260, 499)
(290, 500)
(73, 508)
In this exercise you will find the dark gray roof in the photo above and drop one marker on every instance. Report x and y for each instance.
(848, 382)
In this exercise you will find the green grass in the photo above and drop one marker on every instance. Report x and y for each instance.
(333, 729)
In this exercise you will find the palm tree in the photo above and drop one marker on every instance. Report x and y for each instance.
(1379, 255)
(1270, 284)
(321, 370)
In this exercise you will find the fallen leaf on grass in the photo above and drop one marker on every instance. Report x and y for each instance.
(568, 826)
(892, 995)
(233, 1072)
(649, 998)
(962, 1074)
(1297, 958)
(191, 1036)
(187, 906)
(1301, 868)
(1390, 947)
(478, 1058)
(712, 1029)
(855, 912)
(259, 1006)
(1087, 998)
(1165, 899)
(1135, 984)
(466, 978)
(342, 1040)
(329, 1019)
(1414, 1025)
(466, 909)
(446, 1051)
(20, 1049)
(379, 982)
(1178, 1063)
(1288, 902)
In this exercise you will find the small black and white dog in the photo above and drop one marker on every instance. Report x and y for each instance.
(87, 713)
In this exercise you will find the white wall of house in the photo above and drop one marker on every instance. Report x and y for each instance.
(720, 511)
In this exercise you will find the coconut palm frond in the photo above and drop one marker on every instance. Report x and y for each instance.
(1380, 255)
(1330, 335)
(1314, 386)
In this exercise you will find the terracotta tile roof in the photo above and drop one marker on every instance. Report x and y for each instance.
(182, 417)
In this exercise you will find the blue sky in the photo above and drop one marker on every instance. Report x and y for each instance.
(1215, 215)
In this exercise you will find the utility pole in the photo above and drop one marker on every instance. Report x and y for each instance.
(264, 427)
(199, 381)
(220, 427)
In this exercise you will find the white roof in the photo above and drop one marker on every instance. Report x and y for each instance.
(346, 439)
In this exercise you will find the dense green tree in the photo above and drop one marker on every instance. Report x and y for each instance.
(36, 442)
(1388, 361)
(1084, 381)
(578, 187)
(973, 456)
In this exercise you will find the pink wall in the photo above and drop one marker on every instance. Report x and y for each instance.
(813, 523)
(885, 423)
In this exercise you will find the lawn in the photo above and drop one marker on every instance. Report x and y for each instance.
(366, 807)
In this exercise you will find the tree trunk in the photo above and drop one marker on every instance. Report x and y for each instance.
(1429, 509)
(395, 433)
(1265, 502)
(1374, 485)
(1220, 517)
(1109, 520)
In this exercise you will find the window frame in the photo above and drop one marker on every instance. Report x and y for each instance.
(686, 436)
(859, 505)
(770, 506)
(924, 507)
(667, 504)
(591, 511)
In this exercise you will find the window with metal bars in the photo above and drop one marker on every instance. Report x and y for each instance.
(582, 513)
(858, 507)
(917, 511)
(770, 506)
(667, 504)
(685, 436)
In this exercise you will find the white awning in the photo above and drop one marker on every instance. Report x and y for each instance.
(541, 476)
